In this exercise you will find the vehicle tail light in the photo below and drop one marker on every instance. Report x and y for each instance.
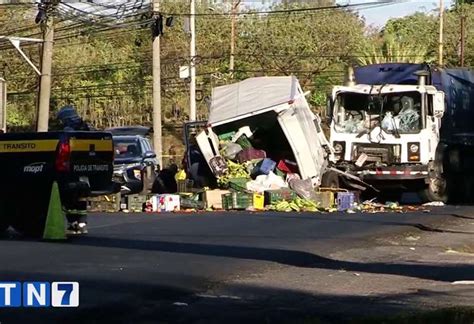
(63, 157)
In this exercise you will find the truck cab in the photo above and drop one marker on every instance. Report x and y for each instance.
(389, 134)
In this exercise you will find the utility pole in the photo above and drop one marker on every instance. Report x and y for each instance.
(463, 38)
(440, 51)
(235, 6)
(157, 132)
(46, 64)
(192, 67)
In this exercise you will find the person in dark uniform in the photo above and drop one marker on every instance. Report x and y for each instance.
(165, 181)
(75, 209)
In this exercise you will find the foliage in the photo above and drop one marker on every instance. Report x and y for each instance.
(107, 72)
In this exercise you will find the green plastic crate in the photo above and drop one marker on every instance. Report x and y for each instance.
(136, 207)
(238, 184)
(244, 142)
(226, 136)
(237, 200)
(272, 196)
(103, 206)
(136, 198)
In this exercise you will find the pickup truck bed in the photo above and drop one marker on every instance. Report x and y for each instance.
(81, 163)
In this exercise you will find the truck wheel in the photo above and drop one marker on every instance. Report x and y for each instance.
(436, 190)
(330, 179)
(31, 225)
(29, 219)
(4, 224)
(4, 217)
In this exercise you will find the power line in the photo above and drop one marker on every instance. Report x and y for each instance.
(286, 11)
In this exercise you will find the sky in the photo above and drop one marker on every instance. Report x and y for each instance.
(378, 16)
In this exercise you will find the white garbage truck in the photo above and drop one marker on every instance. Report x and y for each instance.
(403, 127)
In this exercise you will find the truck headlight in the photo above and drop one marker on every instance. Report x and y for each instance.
(339, 149)
(413, 151)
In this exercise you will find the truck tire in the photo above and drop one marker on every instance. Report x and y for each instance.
(437, 187)
(330, 179)
(436, 190)
(4, 224)
(29, 219)
(4, 217)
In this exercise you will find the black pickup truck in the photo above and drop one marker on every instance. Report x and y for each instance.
(81, 163)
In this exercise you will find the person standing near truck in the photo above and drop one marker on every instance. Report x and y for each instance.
(76, 210)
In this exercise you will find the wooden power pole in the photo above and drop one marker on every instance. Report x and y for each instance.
(235, 6)
(192, 65)
(441, 15)
(46, 64)
(157, 131)
(463, 39)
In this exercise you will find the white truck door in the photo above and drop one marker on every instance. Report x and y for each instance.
(303, 139)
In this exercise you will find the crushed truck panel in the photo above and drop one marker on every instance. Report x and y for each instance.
(275, 104)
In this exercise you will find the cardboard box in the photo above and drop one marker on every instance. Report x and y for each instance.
(213, 198)
(165, 203)
(325, 199)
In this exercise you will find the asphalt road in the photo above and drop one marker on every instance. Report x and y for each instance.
(135, 267)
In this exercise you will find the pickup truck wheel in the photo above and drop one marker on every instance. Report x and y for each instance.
(4, 224)
(4, 218)
(330, 179)
(31, 227)
(29, 219)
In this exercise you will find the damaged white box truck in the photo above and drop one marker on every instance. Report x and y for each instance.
(281, 122)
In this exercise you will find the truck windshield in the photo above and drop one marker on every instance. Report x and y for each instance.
(393, 112)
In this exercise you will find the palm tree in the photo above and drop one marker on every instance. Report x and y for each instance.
(391, 51)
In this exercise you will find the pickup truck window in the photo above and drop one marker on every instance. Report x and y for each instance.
(127, 149)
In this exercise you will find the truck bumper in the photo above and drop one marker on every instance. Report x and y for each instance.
(416, 172)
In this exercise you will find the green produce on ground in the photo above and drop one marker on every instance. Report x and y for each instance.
(297, 205)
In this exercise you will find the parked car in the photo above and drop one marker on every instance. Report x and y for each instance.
(135, 162)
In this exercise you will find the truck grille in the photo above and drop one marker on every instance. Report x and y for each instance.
(381, 153)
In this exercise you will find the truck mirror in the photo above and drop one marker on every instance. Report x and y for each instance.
(329, 108)
(149, 155)
(438, 104)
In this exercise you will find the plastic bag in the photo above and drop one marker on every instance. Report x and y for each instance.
(409, 120)
(388, 122)
(180, 175)
(304, 189)
(266, 182)
(231, 150)
(352, 125)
